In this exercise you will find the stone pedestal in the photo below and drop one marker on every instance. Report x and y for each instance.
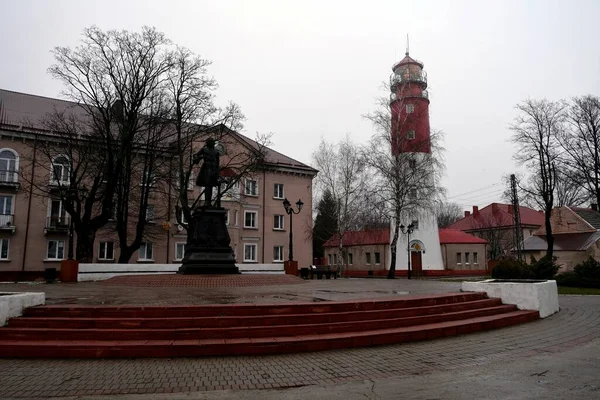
(207, 250)
(69, 269)
(291, 267)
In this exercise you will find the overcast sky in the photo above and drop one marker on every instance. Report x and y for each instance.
(310, 69)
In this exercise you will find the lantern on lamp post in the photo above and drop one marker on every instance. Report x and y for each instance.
(290, 211)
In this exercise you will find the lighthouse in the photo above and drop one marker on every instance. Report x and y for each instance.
(411, 139)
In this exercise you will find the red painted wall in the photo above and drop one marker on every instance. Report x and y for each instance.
(417, 121)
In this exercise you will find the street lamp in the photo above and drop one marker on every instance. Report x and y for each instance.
(290, 211)
(407, 230)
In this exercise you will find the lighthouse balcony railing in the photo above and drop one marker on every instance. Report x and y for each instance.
(423, 94)
(408, 77)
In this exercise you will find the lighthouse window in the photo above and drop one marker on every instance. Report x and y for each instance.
(410, 135)
(410, 108)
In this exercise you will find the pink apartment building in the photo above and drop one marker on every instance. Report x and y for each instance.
(34, 227)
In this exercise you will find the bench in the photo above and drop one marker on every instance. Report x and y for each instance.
(319, 271)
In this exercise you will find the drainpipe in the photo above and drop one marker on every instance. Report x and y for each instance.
(169, 209)
(25, 252)
(264, 196)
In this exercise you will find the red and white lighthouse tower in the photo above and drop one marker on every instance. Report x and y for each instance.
(409, 104)
(411, 140)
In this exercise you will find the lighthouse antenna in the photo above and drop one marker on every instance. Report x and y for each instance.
(407, 44)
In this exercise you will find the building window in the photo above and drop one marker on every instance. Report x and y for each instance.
(60, 170)
(230, 191)
(368, 258)
(4, 244)
(334, 259)
(410, 135)
(251, 187)
(148, 179)
(9, 164)
(415, 224)
(226, 217)
(150, 213)
(475, 259)
(466, 258)
(179, 251)
(329, 258)
(106, 251)
(278, 191)
(278, 254)
(278, 222)
(57, 217)
(349, 258)
(145, 252)
(410, 108)
(412, 163)
(250, 218)
(235, 217)
(6, 211)
(250, 252)
(458, 258)
(56, 250)
(377, 258)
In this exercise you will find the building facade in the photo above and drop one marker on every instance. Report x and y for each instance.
(34, 226)
(410, 134)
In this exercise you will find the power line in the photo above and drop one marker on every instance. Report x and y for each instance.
(496, 192)
(474, 190)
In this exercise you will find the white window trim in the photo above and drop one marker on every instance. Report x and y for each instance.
(368, 259)
(475, 258)
(349, 258)
(48, 246)
(235, 217)
(459, 258)
(282, 191)
(146, 252)
(411, 134)
(246, 187)
(255, 219)
(410, 108)
(7, 258)
(16, 171)
(177, 244)
(106, 258)
(282, 254)
(59, 182)
(6, 222)
(281, 218)
(153, 208)
(255, 252)
(375, 258)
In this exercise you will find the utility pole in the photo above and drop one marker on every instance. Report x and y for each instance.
(517, 217)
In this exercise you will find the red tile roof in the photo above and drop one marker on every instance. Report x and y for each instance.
(498, 215)
(360, 238)
(382, 236)
(454, 236)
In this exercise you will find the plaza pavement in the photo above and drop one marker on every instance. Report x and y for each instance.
(549, 358)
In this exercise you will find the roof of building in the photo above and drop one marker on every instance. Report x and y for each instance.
(28, 111)
(590, 216)
(407, 60)
(455, 236)
(497, 215)
(565, 242)
(382, 236)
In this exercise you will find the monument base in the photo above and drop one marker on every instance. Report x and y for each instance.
(207, 250)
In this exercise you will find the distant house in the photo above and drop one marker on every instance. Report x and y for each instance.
(495, 223)
(576, 234)
(369, 250)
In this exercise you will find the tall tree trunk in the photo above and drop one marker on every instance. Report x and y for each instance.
(84, 250)
(549, 237)
(394, 250)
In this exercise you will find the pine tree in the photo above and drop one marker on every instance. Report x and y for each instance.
(325, 223)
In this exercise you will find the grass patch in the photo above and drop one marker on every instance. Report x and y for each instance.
(576, 290)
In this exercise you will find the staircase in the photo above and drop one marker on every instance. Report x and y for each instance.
(243, 329)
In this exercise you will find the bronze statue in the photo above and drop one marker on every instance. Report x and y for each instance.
(209, 171)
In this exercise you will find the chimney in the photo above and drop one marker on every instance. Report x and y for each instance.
(495, 208)
(594, 207)
(475, 210)
(467, 213)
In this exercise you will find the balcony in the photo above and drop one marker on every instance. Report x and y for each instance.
(56, 224)
(407, 76)
(9, 179)
(422, 94)
(7, 223)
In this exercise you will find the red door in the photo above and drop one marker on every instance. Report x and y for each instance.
(416, 263)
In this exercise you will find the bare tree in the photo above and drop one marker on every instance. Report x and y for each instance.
(342, 173)
(447, 213)
(581, 144)
(536, 129)
(406, 183)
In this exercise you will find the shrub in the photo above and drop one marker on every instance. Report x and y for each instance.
(508, 268)
(585, 275)
(590, 269)
(545, 268)
(511, 268)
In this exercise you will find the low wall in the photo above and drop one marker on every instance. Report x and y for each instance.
(425, 273)
(533, 295)
(100, 272)
(13, 304)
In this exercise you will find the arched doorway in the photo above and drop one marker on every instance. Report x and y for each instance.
(416, 260)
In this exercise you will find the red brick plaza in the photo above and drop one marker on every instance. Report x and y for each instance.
(577, 323)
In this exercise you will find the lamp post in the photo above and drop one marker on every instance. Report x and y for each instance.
(407, 230)
(290, 211)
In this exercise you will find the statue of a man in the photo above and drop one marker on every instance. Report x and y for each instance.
(209, 171)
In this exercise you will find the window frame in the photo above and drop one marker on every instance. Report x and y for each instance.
(368, 258)
(410, 108)
(246, 212)
(377, 258)
(105, 257)
(251, 184)
(2, 242)
(56, 258)
(281, 254)
(411, 134)
(64, 167)
(459, 258)
(150, 215)
(475, 258)
(467, 258)
(349, 259)
(178, 245)
(276, 195)
(255, 246)
(145, 245)
(8, 172)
